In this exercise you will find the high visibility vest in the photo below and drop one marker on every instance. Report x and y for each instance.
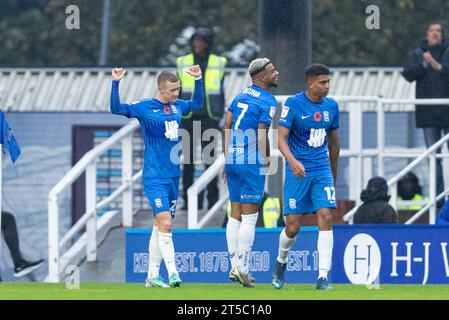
(416, 197)
(212, 81)
(271, 211)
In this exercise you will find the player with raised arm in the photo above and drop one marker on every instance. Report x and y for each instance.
(160, 120)
(247, 153)
(307, 132)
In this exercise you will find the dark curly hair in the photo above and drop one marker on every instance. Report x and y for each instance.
(417, 189)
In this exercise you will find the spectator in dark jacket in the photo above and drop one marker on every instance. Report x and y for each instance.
(428, 65)
(375, 207)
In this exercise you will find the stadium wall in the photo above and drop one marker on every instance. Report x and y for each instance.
(366, 255)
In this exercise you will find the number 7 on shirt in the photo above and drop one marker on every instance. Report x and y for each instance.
(243, 106)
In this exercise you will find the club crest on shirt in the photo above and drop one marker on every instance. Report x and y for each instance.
(173, 109)
(317, 116)
(272, 111)
(326, 116)
(292, 203)
(285, 110)
(158, 202)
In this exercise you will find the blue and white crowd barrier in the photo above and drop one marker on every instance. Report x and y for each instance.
(363, 254)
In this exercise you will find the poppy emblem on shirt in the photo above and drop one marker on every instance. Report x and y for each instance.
(317, 116)
(167, 109)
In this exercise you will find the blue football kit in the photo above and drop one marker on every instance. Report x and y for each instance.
(245, 169)
(309, 123)
(160, 125)
(443, 215)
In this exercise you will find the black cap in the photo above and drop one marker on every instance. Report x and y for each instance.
(378, 183)
(206, 34)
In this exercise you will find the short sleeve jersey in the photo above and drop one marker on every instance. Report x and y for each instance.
(309, 122)
(252, 106)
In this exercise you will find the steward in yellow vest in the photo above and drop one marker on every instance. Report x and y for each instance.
(415, 207)
(409, 189)
(213, 67)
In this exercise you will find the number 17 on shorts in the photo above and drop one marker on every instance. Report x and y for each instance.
(330, 191)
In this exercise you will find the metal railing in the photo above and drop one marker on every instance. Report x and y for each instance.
(87, 165)
(360, 159)
(433, 197)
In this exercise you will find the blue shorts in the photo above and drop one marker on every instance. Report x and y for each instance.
(246, 182)
(162, 194)
(309, 194)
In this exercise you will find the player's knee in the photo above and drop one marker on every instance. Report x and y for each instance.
(165, 226)
(326, 218)
(292, 230)
(249, 219)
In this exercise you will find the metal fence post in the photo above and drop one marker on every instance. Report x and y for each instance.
(432, 187)
(394, 195)
(367, 170)
(91, 202)
(53, 238)
(380, 138)
(192, 207)
(355, 144)
(127, 175)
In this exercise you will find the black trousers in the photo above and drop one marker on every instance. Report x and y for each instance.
(431, 136)
(9, 231)
(198, 132)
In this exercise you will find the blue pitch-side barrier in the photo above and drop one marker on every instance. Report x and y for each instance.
(367, 254)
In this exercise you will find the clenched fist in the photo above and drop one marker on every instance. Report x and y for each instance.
(194, 71)
(118, 74)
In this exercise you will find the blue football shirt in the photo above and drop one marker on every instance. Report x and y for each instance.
(7, 139)
(443, 215)
(160, 124)
(309, 122)
(252, 106)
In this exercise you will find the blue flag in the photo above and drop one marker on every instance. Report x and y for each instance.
(7, 139)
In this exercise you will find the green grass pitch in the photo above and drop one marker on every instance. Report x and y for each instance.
(120, 291)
